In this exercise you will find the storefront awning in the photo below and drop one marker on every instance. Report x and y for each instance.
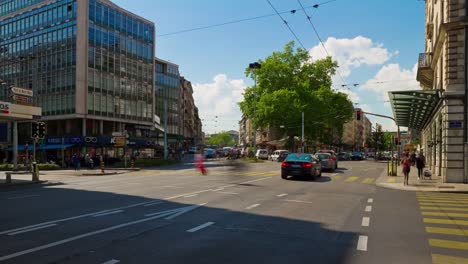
(413, 109)
(41, 147)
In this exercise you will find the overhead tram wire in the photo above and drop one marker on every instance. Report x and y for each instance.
(287, 25)
(293, 11)
(318, 36)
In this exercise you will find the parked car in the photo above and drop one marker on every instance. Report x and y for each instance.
(261, 154)
(302, 165)
(357, 156)
(282, 156)
(192, 150)
(275, 155)
(210, 153)
(343, 156)
(326, 161)
(226, 151)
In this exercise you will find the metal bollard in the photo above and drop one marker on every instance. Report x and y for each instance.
(132, 163)
(35, 171)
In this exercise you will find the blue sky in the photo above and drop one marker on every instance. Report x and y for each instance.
(373, 40)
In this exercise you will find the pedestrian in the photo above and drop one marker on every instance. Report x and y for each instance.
(413, 158)
(199, 162)
(420, 164)
(406, 163)
(75, 161)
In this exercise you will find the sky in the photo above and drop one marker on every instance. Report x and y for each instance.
(376, 43)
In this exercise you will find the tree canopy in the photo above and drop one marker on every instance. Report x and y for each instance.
(289, 82)
(222, 139)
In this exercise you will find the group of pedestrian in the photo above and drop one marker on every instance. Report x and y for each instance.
(414, 159)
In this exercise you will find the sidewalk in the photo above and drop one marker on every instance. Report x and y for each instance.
(418, 185)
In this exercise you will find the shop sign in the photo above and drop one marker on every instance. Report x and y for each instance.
(21, 91)
(118, 141)
(455, 124)
(67, 140)
(91, 139)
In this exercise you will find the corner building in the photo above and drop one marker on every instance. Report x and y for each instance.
(90, 64)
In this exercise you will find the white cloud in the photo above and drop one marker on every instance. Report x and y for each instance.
(352, 53)
(217, 102)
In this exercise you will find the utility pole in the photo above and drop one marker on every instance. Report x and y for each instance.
(302, 138)
(15, 145)
(255, 66)
(165, 130)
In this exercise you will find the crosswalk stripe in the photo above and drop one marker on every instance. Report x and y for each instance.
(444, 214)
(368, 180)
(443, 197)
(442, 203)
(391, 180)
(443, 259)
(352, 178)
(443, 200)
(448, 243)
(336, 177)
(444, 221)
(447, 231)
(443, 208)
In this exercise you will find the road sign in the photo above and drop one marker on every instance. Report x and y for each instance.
(21, 91)
(23, 99)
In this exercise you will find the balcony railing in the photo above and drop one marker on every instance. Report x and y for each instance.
(425, 73)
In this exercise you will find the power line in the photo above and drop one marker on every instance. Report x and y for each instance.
(293, 11)
(376, 82)
(286, 23)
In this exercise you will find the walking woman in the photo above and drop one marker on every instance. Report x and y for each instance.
(406, 163)
(420, 164)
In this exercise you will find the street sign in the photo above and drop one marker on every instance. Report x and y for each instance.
(4, 108)
(23, 99)
(21, 91)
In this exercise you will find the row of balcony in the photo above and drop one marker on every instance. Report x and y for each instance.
(425, 74)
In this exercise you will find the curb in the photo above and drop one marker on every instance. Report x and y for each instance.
(21, 184)
(100, 174)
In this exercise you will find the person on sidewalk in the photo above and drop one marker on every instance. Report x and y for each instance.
(420, 164)
(406, 163)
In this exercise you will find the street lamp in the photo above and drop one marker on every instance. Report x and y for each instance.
(255, 66)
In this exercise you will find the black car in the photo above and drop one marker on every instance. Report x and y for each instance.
(357, 156)
(302, 165)
(343, 156)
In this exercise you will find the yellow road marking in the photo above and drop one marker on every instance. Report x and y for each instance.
(443, 259)
(368, 180)
(443, 199)
(445, 221)
(443, 208)
(444, 214)
(455, 203)
(352, 178)
(391, 180)
(336, 177)
(447, 231)
(448, 243)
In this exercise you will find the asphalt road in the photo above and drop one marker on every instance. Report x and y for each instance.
(175, 215)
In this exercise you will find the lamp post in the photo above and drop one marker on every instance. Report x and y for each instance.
(255, 66)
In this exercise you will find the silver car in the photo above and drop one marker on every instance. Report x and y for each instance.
(326, 161)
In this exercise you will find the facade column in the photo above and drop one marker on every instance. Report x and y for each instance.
(101, 127)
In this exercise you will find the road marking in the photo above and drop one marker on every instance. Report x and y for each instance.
(171, 186)
(443, 259)
(195, 229)
(334, 174)
(444, 221)
(31, 229)
(252, 206)
(443, 208)
(112, 261)
(362, 243)
(368, 208)
(391, 180)
(262, 179)
(337, 177)
(365, 221)
(447, 231)
(370, 200)
(281, 195)
(448, 243)
(170, 214)
(75, 217)
(298, 201)
(352, 179)
(108, 213)
(219, 189)
(155, 203)
(443, 200)
(445, 214)
(23, 196)
(192, 195)
(442, 203)
(229, 193)
(368, 180)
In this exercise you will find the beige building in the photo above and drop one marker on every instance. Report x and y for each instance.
(356, 133)
(439, 110)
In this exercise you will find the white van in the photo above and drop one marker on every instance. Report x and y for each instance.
(261, 154)
(276, 154)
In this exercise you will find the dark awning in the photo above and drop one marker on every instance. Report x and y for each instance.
(413, 109)
(41, 147)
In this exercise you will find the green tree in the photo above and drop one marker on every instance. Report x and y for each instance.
(222, 139)
(387, 140)
(289, 83)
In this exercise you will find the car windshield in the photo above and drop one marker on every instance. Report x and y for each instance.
(299, 157)
(322, 156)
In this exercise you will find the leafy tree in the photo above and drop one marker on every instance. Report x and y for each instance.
(378, 138)
(289, 83)
(387, 140)
(222, 139)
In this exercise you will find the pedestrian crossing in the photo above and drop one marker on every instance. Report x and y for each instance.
(445, 216)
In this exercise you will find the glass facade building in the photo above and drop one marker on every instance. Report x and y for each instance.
(90, 64)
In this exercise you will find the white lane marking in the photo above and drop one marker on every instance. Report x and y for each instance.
(298, 201)
(108, 213)
(195, 229)
(252, 206)
(229, 193)
(192, 195)
(155, 203)
(281, 195)
(169, 213)
(32, 229)
(112, 261)
(368, 208)
(334, 174)
(217, 190)
(21, 197)
(370, 200)
(74, 217)
(362, 243)
(365, 221)
(171, 186)
(262, 179)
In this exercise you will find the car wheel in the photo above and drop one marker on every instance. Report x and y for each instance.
(320, 173)
(284, 176)
(312, 177)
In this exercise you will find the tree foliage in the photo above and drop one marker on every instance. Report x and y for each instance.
(222, 139)
(289, 83)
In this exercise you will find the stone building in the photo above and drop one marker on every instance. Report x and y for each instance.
(356, 133)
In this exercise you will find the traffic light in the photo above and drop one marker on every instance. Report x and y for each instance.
(41, 130)
(358, 115)
(34, 130)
